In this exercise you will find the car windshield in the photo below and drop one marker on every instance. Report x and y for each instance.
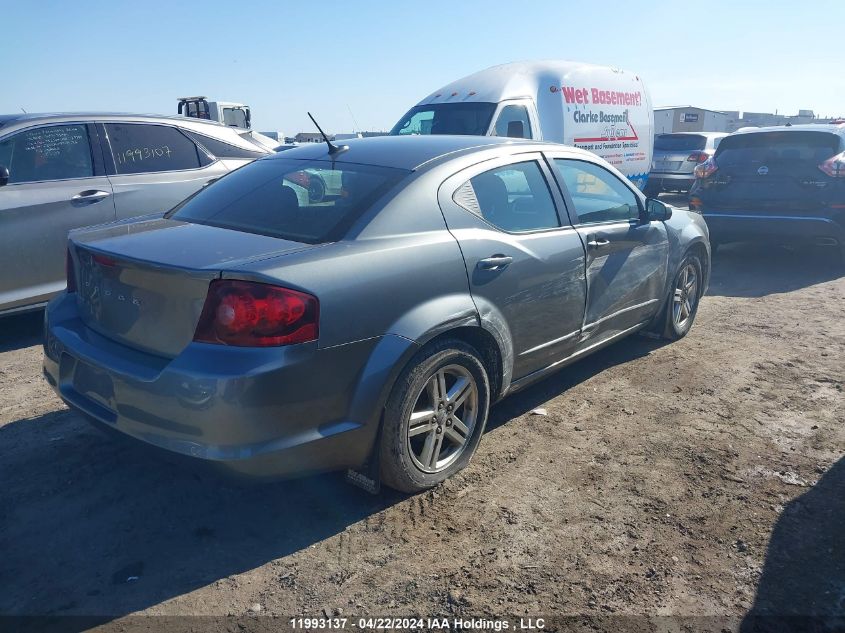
(777, 148)
(446, 118)
(301, 200)
(680, 142)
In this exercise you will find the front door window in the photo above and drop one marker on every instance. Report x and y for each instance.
(53, 152)
(598, 195)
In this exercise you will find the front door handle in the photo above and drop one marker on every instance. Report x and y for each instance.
(597, 242)
(91, 196)
(495, 262)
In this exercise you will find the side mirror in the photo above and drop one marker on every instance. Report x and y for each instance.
(4, 175)
(657, 211)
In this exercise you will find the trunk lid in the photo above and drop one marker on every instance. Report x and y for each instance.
(144, 283)
(773, 173)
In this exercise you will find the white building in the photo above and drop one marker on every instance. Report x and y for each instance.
(690, 119)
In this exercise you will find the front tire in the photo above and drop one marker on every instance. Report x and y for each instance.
(684, 297)
(434, 417)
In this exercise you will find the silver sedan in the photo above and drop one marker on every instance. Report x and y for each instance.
(64, 171)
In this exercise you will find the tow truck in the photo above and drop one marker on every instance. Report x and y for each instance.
(225, 112)
(228, 113)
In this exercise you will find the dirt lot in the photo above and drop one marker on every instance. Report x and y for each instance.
(704, 477)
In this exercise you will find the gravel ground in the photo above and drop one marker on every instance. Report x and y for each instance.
(700, 478)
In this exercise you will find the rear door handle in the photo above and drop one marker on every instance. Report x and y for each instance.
(495, 262)
(597, 242)
(91, 196)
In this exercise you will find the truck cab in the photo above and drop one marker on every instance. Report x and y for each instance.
(226, 112)
(230, 114)
(601, 109)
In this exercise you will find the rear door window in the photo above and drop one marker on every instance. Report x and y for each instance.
(143, 148)
(514, 198)
(221, 149)
(598, 195)
(305, 201)
(50, 152)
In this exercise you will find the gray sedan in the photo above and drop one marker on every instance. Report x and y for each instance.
(273, 335)
(63, 171)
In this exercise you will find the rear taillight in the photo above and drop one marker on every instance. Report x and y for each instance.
(698, 157)
(250, 314)
(695, 204)
(104, 260)
(834, 166)
(301, 178)
(707, 168)
(70, 273)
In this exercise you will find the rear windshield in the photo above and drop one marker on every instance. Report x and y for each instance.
(305, 201)
(446, 118)
(777, 147)
(235, 117)
(680, 142)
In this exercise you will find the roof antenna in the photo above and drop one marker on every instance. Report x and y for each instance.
(333, 149)
(354, 121)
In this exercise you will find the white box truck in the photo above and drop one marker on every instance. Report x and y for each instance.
(598, 108)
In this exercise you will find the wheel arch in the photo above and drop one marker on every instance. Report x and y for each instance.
(699, 249)
(468, 331)
(489, 352)
(449, 316)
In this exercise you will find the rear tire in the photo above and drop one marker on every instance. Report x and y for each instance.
(652, 191)
(682, 302)
(435, 417)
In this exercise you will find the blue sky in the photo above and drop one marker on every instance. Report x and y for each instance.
(378, 58)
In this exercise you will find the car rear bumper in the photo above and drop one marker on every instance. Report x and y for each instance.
(259, 412)
(738, 226)
(668, 180)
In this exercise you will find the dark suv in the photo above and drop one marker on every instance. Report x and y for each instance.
(784, 184)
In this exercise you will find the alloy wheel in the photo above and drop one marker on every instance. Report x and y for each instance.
(443, 418)
(685, 297)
